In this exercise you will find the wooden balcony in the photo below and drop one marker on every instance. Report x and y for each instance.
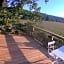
(21, 50)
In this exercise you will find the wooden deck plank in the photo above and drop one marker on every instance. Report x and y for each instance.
(21, 50)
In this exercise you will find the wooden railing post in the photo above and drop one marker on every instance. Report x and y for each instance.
(32, 30)
(52, 37)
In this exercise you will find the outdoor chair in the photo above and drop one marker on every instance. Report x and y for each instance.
(51, 48)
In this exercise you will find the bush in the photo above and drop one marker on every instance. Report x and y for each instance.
(41, 36)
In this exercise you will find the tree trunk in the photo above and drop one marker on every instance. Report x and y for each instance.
(2, 3)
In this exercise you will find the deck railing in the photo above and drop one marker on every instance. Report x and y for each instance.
(52, 33)
(44, 36)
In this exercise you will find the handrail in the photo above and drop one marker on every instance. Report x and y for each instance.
(52, 33)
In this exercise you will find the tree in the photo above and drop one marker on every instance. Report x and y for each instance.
(2, 3)
(20, 3)
(13, 3)
(9, 15)
(46, 1)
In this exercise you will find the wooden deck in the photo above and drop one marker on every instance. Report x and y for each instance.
(21, 50)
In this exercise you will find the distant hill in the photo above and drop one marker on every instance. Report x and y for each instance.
(52, 18)
(30, 15)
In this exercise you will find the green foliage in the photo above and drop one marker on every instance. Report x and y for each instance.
(12, 15)
(27, 28)
(9, 16)
(41, 36)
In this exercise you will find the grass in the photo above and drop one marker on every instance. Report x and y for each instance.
(55, 27)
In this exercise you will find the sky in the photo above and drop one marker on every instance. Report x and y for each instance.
(53, 7)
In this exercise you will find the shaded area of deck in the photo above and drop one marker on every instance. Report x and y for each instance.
(21, 50)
